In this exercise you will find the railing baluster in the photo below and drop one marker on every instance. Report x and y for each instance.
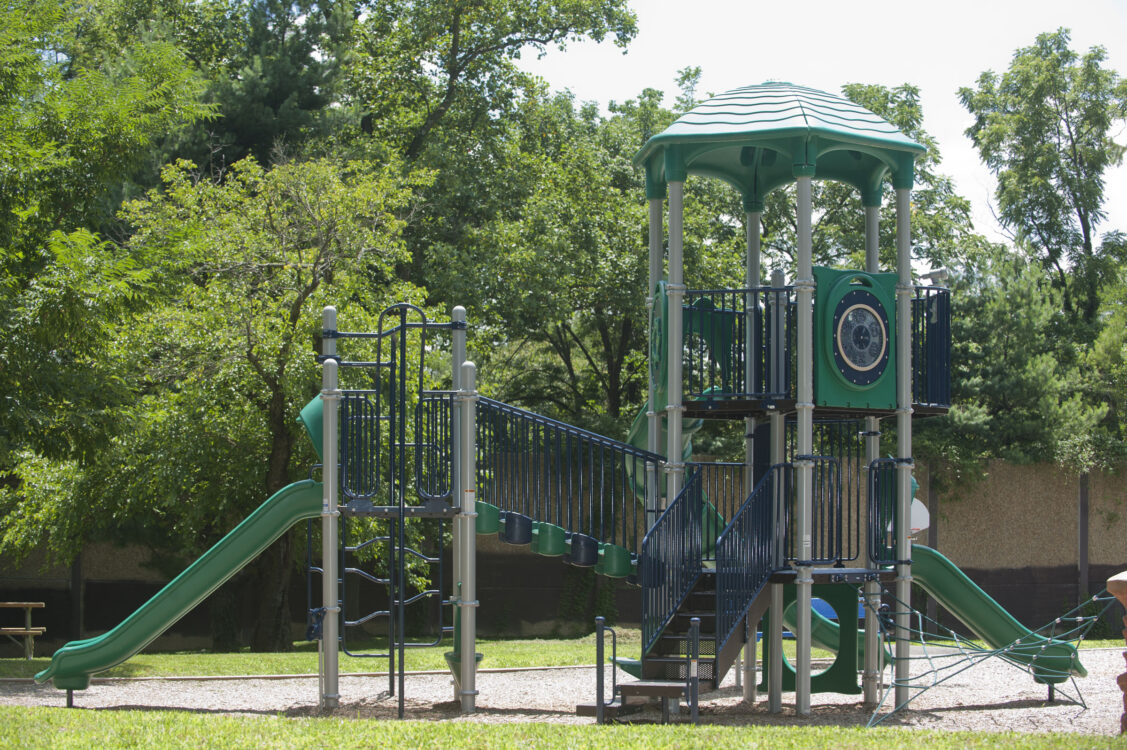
(746, 552)
(560, 474)
(726, 335)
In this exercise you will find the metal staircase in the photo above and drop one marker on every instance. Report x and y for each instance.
(722, 584)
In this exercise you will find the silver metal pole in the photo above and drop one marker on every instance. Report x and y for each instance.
(653, 418)
(872, 238)
(750, 674)
(457, 357)
(330, 594)
(751, 385)
(777, 426)
(751, 342)
(676, 292)
(468, 519)
(775, 670)
(870, 676)
(904, 438)
(804, 407)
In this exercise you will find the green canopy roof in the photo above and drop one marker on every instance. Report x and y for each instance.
(760, 137)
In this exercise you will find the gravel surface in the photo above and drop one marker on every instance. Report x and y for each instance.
(991, 696)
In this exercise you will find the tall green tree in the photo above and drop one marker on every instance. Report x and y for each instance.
(219, 361)
(1016, 394)
(942, 231)
(70, 131)
(420, 64)
(1046, 128)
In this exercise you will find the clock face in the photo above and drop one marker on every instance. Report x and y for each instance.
(860, 328)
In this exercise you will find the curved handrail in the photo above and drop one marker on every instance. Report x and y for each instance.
(670, 560)
(748, 550)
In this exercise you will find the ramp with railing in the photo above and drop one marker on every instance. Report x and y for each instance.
(564, 491)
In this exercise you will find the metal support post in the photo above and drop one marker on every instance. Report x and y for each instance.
(468, 553)
(745, 677)
(872, 238)
(676, 295)
(600, 705)
(904, 439)
(653, 417)
(804, 408)
(870, 675)
(751, 648)
(330, 594)
(694, 668)
(774, 632)
(457, 357)
(775, 647)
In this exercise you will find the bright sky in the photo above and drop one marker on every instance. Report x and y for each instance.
(824, 44)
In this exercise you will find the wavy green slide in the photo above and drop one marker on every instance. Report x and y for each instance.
(1051, 661)
(73, 664)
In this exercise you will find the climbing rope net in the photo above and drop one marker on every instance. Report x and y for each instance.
(938, 653)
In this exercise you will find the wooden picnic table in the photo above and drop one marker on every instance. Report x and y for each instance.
(27, 632)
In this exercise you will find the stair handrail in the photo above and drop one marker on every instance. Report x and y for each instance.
(561, 474)
(883, 485)
(747, 551)
(670, 561)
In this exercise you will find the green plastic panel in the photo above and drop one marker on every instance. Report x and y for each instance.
(488, 518)
(312, 419)
(840, 637)
(834, 383)
(614, 561)
(548, 539)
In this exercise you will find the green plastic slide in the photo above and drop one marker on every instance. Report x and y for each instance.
(1051, 661)
(73, 664)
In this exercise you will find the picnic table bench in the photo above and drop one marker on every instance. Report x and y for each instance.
(27, 632)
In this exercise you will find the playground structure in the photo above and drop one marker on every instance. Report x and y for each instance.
(811, 369)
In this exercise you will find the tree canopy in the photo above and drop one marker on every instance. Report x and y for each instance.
(1046, 128)
(183, 185)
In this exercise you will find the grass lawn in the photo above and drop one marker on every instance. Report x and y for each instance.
(63, 728)
(498, 653)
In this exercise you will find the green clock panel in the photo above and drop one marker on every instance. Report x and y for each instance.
(855, 339)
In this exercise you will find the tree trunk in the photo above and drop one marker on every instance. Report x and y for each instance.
(273, 571)
(223, 605)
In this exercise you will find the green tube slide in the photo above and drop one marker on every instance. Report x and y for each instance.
(73, 664)
(1051, 661)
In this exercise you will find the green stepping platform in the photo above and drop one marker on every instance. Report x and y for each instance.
(615, 561)
(488, 518)
(548, 539)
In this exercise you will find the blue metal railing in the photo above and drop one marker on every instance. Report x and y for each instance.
(363, 433)
(837, 498)
(560, 474)
(434, 445)
(670, 561)
(723, 491)
(882, 511)
(931, 346)
(738, 343)
(827, 515)
(748, 549)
